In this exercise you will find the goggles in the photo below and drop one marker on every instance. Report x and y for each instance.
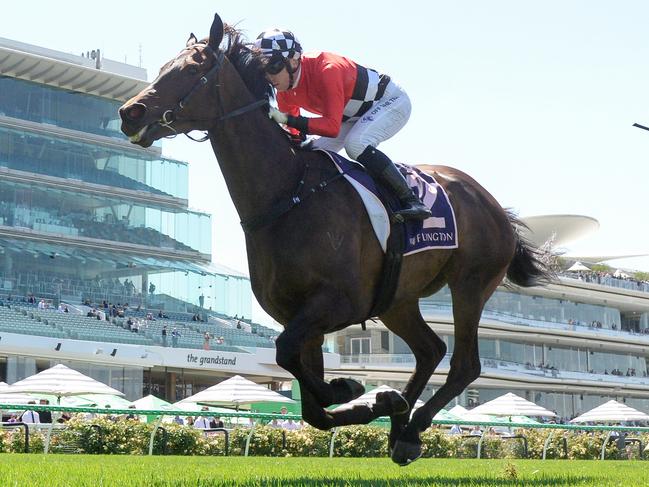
(275, 67)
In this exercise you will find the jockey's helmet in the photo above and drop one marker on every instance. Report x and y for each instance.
(278, 45)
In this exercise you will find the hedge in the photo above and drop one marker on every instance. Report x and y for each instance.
(101, 436)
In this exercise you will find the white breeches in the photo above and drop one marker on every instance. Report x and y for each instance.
(384, 119)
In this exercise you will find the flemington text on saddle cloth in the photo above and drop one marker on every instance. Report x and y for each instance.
(437, 232)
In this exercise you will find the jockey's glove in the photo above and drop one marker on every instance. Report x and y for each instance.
(279, 117)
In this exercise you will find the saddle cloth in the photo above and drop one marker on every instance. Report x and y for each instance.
(436, 232)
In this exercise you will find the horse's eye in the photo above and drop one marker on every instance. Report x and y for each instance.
(192, 70)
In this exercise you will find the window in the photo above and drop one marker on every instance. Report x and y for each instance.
(360, 345)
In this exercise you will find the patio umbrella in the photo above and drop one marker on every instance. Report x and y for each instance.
(235, 391)
(99, 400)
(61, 381)
(510, 405)
(153, 402)
(577, 267)
(445, 415)
(611, 412)
(458, 410)
(369, 399)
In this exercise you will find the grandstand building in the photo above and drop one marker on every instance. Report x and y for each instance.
(94, 225)
(569, 346)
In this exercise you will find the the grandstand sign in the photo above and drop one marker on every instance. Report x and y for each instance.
(211, 360)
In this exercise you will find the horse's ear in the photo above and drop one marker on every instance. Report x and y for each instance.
(216, 32)
(192, 40)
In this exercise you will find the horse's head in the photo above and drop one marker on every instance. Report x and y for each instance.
(169, 105)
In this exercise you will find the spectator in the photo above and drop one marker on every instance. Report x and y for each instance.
(131, 416)
(42, 304)
(175, 335)
(456, 429)
(30, 416)
(290, 425)
(178, 420)
(206, 341)
(164, 336)
(475, 431)
(45, 416)
(217, 423)
(203, 422)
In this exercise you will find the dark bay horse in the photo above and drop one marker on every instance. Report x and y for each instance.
(314, 266)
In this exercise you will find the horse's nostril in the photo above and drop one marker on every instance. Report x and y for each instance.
(135, 112)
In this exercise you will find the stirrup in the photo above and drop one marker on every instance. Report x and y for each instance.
(414, 212)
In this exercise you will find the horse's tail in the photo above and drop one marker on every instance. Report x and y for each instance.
(530, 265)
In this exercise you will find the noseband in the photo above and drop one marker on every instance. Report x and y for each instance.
(172, 115)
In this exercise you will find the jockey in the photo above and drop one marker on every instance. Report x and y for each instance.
(358, 107)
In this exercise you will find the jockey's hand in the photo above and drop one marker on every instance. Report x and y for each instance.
(279, 117)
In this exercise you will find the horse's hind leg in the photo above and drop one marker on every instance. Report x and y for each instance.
(469, 296)
(405, 320)
(317, 416)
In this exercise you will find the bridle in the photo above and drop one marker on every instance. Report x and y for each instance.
(172, 115)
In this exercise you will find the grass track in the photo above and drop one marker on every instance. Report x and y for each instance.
(127, 471)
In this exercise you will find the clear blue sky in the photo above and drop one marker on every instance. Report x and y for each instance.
(534, 99)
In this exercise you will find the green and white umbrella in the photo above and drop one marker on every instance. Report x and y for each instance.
(152, 402)
(509, 405)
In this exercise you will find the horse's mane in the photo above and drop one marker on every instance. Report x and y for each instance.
(247, 61)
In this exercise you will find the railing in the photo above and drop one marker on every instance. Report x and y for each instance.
(513, 319)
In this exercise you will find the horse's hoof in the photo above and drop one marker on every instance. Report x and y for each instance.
(405, 453)
(346, 390)
(393, 403)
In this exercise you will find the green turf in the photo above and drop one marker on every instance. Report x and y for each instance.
(98, 471)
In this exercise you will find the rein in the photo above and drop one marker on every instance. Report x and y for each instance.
(284, 206)
(170, 116)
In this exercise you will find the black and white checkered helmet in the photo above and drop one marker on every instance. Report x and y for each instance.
(274, 43)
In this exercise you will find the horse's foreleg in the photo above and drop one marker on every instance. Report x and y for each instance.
(405, 321)
(304, 328)
(320, 418)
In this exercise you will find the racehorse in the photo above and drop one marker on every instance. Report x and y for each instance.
(314, 261)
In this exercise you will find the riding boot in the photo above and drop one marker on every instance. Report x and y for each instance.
(381, 167)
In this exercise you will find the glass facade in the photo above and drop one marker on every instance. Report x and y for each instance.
(51, 155)
(128, 379)
(93, 215)
(63, 108)
(539, 308)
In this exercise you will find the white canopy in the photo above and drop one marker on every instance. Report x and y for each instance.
(510, 405)
(235, 391)
(62, 381)
(577, 267)
(458, 410)
(369, 399)
(152, 402)
(611, 412)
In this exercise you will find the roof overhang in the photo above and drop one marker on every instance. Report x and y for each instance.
(67, 75)
(559, 229)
